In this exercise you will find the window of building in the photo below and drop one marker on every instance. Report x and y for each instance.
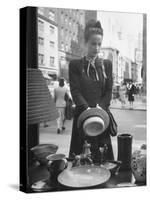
(51, 15)
(41, 25)
(70, 23)
(62, 31)
(74, 36)
(82, 20)
(52, 61)
(41, 59)
(74, 25)
(52, 44)
(66, 31)
(62, 45)
(67, 47)
(41, 10)
(40, 41)
(52, 29)
(62, 16)
(66, 18)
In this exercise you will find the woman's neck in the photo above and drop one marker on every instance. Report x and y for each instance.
(91, 57)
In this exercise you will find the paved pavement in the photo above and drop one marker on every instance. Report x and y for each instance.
(138, 104)
(129, 121)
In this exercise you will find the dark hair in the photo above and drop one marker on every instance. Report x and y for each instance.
(92, 27)
(61, 82)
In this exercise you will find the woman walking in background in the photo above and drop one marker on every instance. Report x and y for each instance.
(131, 91)
(59, 97)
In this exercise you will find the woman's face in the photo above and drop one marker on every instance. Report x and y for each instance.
(94, 44)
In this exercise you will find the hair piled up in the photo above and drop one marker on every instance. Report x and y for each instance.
(61, 82)
(92, 27)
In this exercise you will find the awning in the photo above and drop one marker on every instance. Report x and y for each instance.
(46, 76)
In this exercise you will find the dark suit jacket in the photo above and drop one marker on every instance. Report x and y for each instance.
(83, 90)
(87, 92)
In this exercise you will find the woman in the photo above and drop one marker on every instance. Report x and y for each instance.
(90, 84)
(59, 96)
(122, 93)
(131, 92)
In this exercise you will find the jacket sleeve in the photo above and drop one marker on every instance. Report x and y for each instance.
(105, 102)
(75, 87)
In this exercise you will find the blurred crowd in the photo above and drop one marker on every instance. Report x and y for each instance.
(127, 92)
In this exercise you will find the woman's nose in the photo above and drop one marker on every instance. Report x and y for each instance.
(97, 48)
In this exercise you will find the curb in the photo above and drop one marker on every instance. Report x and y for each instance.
(135, 109)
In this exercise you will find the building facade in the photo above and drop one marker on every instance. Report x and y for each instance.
(48, 41)
(112, 55)
(61, 38)
(71, 24)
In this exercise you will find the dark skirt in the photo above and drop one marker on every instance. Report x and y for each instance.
(130, 97)
(78, 138)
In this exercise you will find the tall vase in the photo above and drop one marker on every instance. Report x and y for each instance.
(125, 150)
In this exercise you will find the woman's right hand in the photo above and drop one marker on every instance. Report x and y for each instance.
(88, 108)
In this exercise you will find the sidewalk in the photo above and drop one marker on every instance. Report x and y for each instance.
(137, 105)
(49, 135)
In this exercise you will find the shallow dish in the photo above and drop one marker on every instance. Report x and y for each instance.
(84, 176)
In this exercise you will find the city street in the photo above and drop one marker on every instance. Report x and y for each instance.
(129, 121)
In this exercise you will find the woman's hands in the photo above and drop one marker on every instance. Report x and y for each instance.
(97, 106)
(88, 108)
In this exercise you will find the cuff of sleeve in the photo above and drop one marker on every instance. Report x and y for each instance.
(84, 107)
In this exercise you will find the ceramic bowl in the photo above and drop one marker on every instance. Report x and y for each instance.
(41, 151)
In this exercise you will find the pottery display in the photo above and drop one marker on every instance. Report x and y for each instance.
(84, 176)
(41, 151)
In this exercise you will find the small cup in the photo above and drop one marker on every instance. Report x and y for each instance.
(56, 164)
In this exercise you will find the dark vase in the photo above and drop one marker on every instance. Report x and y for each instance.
(125, 150)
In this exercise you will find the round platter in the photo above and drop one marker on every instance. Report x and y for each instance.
(84, 176)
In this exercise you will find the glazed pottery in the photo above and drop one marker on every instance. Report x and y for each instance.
(138, 164)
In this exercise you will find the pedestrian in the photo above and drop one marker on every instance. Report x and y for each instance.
(46, 124)
(60, 93)
(91, 84)
(122, 94)
(131, 92)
